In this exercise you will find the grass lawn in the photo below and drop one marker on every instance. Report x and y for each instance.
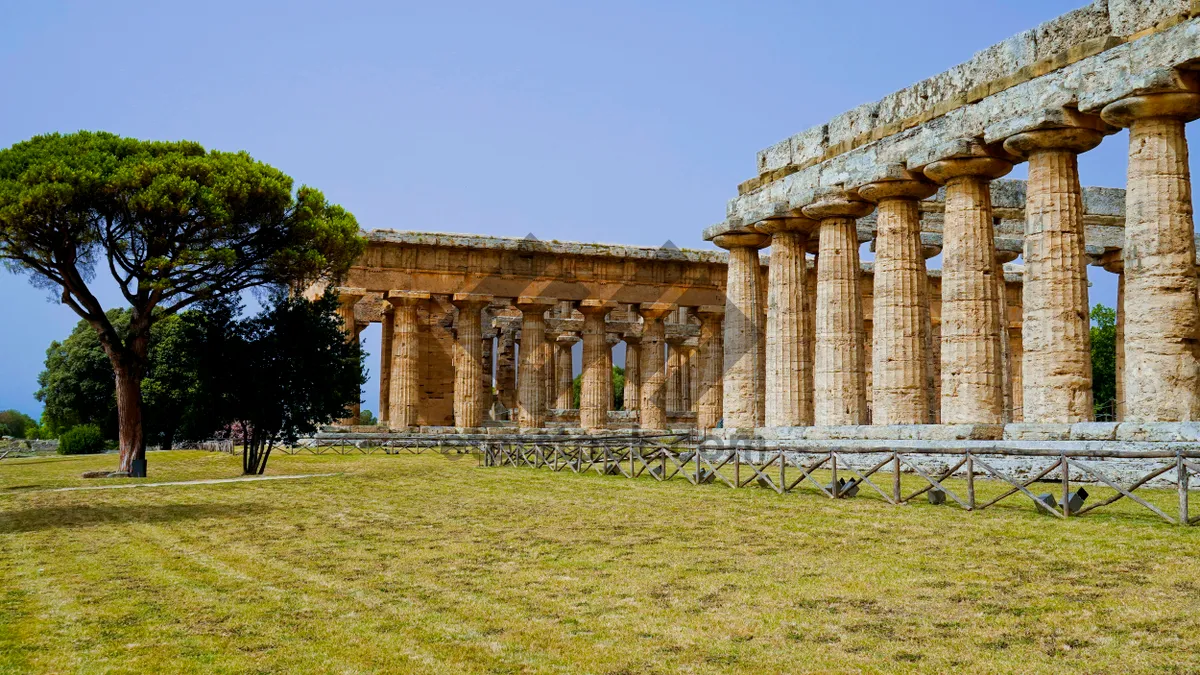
(422, 564)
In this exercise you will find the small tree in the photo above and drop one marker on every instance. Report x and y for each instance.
(17, 424)
(1104, 360)
(172, 223)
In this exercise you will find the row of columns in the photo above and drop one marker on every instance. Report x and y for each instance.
(791, 350)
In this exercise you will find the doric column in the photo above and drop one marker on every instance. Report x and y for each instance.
(810, 327)
(1006, 355)
(633, 389)
(745, 319)
(711, 355)
(900, 344)
(385, 363)
(564, 369)
(468, 360)
(970, 341)
(1120, 340)
(1056, 337)
(610, 341)
(839, 380)
(1162, 337)
(347, 298)
(405, 398)
(653, 413)
(789, 356)
(506, 369)
(595, 391)
(695, 373)
(485, 378)
(685, 377)
(674, 375)
(933, 337)
(535, 359)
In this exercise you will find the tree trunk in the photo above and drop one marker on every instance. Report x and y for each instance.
(132, 439)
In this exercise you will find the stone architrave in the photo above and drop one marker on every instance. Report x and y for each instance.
(900, 318)
(405, 398)
(633, 390)
(535, 360)
(745, 322)
(839, 374)
(385, 364)
(469, 410)
(1162, 337)
(711, 356)
(595, 390)
(1056, 332)
(653, 412)
(788, 353)
(564, 371)
(970, 338)
(347, 299)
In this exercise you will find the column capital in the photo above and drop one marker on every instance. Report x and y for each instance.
(349, 296)
(967, 157)
(1070, 139)
(534, 304)
(675, 340)
(631, 338)
(798, 223)
(1113, 262)
(656, 310)
(591, 307)
(386, 307)
(1003, 257)
(838, 204)
(567, 339)
(1181, 105)
(710, 311)
(897, 189)
(407, 298)
(468, 300)
(752, 240)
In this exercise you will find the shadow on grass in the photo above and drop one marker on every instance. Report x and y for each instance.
(39, 518)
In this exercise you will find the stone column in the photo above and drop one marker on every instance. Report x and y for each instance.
(633, 389)
(745, 319)
(788, 357)
(347, 298)
(933, 338)
(1006, 355)
(535, 360)
(711, 355)
(653, 413)
(485, 380)
(564, 371)
(970, 344)
(685, 377)
(839, 381)
(468, 360)
(695, 373)
(1120, 340)
(385, 364)
(810, 327)
(1055, 329)
(405, 398)
(506, 369)
(674, 375)
(595, 392)
(1162, 337)
(610, 341)
(900, 352)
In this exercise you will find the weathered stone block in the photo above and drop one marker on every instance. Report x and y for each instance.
(775, 157)
(1130, 16)
(1159, 432)
(1037, 432)
(959, 432)
(1094, 431)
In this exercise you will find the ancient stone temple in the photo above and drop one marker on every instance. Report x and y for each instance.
(919, 171)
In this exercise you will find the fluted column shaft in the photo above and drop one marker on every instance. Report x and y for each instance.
(1162, 337)
(685, 378)
(900, 351)
(839, 373)
(534, 362)
(633, 389)
(971, 349)
(711, 355)
(468, 361)
(385, 364)
(745, 319)
(653, 413)
(506, 370)
(1120, 340)
(347, 298)
(674, 375)
(405, 397)
(564, 369)
(789, 356)
(595, 393)
(1056, 332)
(485, 377)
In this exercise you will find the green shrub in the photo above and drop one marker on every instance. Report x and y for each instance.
(85, 439)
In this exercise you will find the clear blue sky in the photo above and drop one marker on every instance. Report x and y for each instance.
(612, 121)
